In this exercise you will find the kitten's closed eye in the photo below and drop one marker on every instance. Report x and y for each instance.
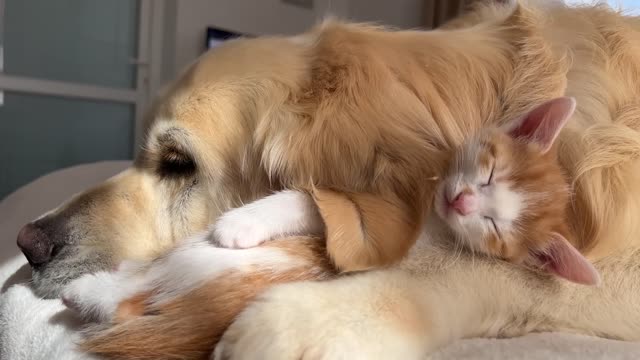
(490, 180)
(493, 223)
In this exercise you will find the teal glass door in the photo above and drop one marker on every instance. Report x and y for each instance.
(69, 84)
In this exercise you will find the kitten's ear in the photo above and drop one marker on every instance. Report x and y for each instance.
(565, 261)
(543, 124)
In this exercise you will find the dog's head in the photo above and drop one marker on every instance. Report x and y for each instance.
(339, 107)
(197, 161)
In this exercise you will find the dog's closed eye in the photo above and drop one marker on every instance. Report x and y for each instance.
(175, 163)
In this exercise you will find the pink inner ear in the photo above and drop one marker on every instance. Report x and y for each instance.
(543, 124)
(565, 261)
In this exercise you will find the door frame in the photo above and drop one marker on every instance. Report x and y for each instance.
(150, 18)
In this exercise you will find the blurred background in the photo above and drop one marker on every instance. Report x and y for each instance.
(77, 75)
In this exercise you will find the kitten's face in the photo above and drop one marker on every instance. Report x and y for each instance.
(505, 194)
(502, 196)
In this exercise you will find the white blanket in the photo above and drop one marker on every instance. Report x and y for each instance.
(30, 327)
(34, 329)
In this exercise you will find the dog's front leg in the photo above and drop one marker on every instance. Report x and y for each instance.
(435, 298)
(370, 316)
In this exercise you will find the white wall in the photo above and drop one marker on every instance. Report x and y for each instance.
(630, 7)
(251, 17)
(398, 13)
(186, 20)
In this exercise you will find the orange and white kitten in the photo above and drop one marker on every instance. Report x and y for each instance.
(505, 195)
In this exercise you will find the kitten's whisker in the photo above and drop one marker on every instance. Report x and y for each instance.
(457, 250)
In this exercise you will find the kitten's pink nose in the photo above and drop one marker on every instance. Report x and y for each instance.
(464, 203)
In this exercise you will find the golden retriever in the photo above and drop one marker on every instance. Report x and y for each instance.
(365, 116)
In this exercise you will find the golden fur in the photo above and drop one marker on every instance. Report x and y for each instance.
(365, 115)
(357, 109)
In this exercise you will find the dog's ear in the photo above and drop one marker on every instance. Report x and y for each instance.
(366, 231)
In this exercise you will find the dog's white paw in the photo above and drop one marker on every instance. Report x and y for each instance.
(240, 229)
(311, 321)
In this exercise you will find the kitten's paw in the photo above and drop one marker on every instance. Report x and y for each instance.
(309, 321)
(239, 229)
(95, 297)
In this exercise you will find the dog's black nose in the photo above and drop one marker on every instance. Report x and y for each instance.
(35, 244)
